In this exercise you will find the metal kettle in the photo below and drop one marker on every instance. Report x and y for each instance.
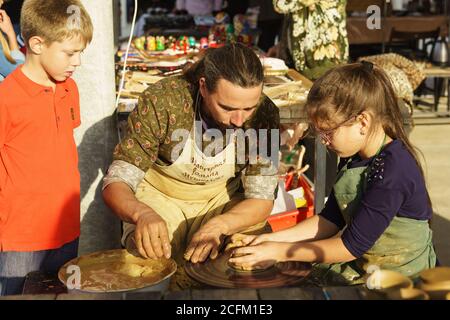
(440, 54)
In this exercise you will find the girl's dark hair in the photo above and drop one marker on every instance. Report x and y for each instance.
(346, 91)
(233, 62)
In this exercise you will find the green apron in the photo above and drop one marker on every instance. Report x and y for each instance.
(405, 246)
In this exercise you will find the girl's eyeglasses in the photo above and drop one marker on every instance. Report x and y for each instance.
(327, 135)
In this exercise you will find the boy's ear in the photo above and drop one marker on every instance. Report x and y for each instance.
(36, 44)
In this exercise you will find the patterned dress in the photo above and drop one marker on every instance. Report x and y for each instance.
(317, 34)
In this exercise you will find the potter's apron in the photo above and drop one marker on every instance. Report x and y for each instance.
(405, 246)
(188, 193)
(192, 190)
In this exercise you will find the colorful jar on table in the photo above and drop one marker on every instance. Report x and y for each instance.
(160, 43)
(151, 43)
(203, 43)
(192, 42)
(139, 43)
(171, 42)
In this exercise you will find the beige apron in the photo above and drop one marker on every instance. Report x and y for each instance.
(191, 191)
(188, 193)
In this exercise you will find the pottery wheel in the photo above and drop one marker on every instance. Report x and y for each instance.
(218, 273)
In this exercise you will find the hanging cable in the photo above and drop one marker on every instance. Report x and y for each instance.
(122, 80)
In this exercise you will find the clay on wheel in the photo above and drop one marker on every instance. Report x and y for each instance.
(245, 268)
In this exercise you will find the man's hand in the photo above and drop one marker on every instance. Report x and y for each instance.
(206, 241)
(151, 235)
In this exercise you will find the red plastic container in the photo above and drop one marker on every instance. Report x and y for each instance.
(289, 219)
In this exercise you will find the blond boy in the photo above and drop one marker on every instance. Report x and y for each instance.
(39, 178)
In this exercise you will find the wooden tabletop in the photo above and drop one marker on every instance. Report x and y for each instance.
(359, 33)
(436, 71)
(291, 293)
(40, 286)
(294, 112)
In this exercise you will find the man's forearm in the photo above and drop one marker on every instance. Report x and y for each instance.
(121, 199)
(246, 214)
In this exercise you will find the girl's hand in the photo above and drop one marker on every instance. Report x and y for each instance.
(263, 255)
(249, 240)
(5, 24)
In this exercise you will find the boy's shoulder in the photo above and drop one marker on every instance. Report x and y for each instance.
(71, 85)
(70, 82)
(13, 91)
(10, 90)
(9, 83)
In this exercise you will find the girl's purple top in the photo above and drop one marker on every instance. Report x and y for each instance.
(395, 187)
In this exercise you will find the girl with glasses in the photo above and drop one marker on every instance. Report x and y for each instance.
(377, 215)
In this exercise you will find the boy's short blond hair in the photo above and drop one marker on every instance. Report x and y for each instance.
(55, 20)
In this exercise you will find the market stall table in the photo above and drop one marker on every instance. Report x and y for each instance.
(436, 73)
(359, 33)
(294, 112)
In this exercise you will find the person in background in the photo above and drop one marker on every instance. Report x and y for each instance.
(10, 55)
(313, 40)
(269, 23)
(314, 37)
(199, 7)
(380, 201)
(145, 10)
(233, 7)
(13, 7)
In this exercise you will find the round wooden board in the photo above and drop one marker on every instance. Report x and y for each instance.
(218, 273)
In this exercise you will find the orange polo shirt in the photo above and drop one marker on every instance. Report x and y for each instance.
(39, 177)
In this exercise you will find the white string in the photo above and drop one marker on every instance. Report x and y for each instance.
(122, 80)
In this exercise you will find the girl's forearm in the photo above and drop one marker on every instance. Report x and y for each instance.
(328, 251)
(314, 228)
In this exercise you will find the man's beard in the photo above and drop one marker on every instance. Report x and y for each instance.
(227, 127)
